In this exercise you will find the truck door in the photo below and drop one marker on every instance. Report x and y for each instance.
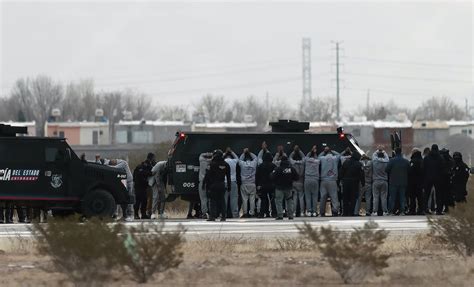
(56, 171)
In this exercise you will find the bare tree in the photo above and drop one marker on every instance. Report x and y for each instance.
(379, 111)
(318, 109)
(213, 107)
(173, 113)
(439, 108)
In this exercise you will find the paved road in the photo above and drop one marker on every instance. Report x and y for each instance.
(258, 228)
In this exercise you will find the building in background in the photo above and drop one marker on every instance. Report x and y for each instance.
(31, 126)
(225, 127)
(80, 133)
(362, 130)
(383, 130)
(426, 133)
(148, 132)
(322, 127)
(461, 127)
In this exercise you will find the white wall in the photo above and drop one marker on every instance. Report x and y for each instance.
(86, 135)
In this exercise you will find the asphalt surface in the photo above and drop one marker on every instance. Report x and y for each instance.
(263, 228)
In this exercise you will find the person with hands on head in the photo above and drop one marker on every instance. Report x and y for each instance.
(312, 166)
(330, 162)
(204, 163)
(283, 177)
(233, 193)
(248, 168)
(278, 155)
(297, 162)
(265, 186)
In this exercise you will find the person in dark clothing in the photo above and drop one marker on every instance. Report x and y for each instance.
(459, 178)
(140, 179)
(415, 184)
(432, 175)
(265, 186)
(352, 175)
(397, 170)
(216, 182)
(283, 177)
(446, 190)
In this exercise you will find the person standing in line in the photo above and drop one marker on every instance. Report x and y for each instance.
(397, 170)
(158, 184)
(248, 168)
(263, 151)
(297, 162)
(233, 194)
(415, 184)
(140, 176)
(283, 177)
(278, 155)
(446, 189)
(204, 162)
(346, 155)
(432, 174)
(312, 166)
(265, 186)
(216, 181)
(459, 178)
(330, 162)
(380, 161)
(352, 176)
(366, 190)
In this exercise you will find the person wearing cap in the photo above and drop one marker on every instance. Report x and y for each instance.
(283, 177)
(140, 177)
(248, 169)
(459, 178)
(216, 182)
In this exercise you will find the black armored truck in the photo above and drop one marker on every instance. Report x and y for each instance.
(46, 173)
(183, 157)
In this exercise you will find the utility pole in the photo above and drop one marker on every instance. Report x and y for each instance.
(306, 69)
(337, 83)
(367, 108)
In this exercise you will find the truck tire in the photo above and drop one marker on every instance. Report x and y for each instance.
(98, 202)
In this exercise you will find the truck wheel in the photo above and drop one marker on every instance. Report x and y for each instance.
(98, 203)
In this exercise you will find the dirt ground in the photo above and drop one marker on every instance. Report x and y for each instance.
(415, 260)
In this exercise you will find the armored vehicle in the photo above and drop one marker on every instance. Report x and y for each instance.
(183, 157)
(45, 172)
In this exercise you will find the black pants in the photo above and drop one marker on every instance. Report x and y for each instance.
(140, 201)
(350, 195)
(416, 196)
(266, 198)
(217, 204)
(6, 214)
(439, 194)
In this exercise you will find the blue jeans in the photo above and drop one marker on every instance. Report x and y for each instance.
(395, 191)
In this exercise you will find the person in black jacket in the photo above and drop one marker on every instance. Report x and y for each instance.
(446, 190)
(459, 178)
(140, 179)
(352, 175)
(415, 184)
(214, 183)
(283, 177)
(265, 186)
(432, 175)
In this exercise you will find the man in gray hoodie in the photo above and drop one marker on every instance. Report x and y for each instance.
(158, 185)
(204, 162)
(380, 180)
(248, 167)
(297, 162)
(312, 165)
(330, 163)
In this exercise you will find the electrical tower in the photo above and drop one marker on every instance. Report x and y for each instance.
(306, 69)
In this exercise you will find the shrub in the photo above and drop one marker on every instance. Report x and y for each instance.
(353, 255)
(293, 244)
(456, 229)
(84, 252)
(151, 251)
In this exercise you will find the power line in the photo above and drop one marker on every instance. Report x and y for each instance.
(410, 78)
(410, 63)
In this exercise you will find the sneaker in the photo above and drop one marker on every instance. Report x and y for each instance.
(204, 216)
(153, 216)
(309, 214)
(386, 214)
(374, 213)
(244, 216)
(279, 218)
(145, 216)
(128, 219)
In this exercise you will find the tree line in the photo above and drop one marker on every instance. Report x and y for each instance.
(33, 99)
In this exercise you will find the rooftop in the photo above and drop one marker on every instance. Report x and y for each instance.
(430, 125)
(19, 124)
(152, 123)
(77, 124)
(226, 125)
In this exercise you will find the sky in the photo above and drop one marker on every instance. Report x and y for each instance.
(176, 52)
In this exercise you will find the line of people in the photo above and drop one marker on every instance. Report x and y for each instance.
(277, 185)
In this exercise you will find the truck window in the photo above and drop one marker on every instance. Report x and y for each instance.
(53, 154)
(14, 151)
